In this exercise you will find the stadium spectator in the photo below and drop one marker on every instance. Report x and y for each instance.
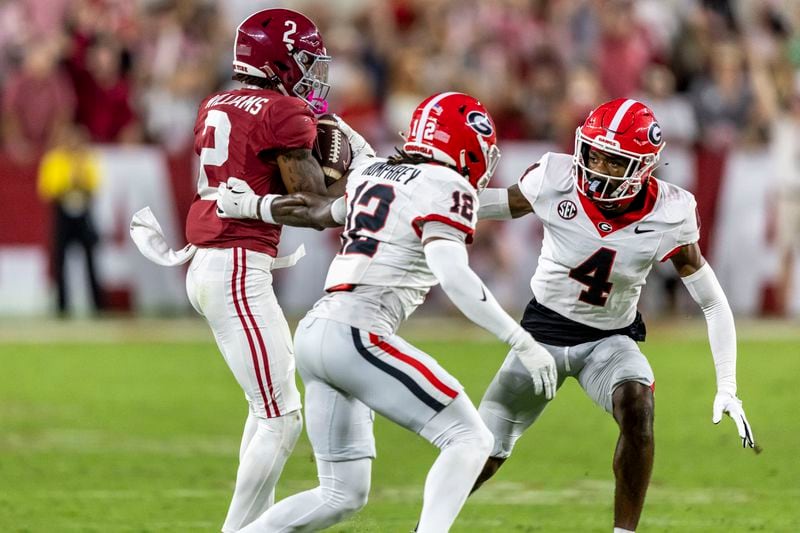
(68, 178)
(733, 106)
(104, 105)
(177, 68)
(38, 102)
(139, 69)
(623, 49)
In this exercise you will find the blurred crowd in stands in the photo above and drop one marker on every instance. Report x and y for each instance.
(720, 74)
(134, 71)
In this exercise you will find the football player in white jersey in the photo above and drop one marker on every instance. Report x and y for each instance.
(408, 220)
(606, 220)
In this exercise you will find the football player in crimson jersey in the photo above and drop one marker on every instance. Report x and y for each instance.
(407, 221)
(607, 220)
(260, 135)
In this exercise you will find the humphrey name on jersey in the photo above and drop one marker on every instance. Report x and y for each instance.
(391, 172)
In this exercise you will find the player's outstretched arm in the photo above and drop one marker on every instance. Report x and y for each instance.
(449, 262)
(705, 289)
(503, 204)
(303, 209)
(300, 171)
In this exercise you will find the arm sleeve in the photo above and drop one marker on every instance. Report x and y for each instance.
(339, 210)
(449, 262)
(707, 292)
(494, 205)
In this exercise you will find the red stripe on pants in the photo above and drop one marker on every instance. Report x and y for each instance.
(247, 328)
(261, 344)
(425, 371)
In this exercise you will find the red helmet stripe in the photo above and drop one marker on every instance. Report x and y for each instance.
(618, 116)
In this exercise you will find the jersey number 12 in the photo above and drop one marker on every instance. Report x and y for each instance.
(360, 220)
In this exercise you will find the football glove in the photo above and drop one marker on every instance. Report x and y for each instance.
(538, 362)
(359, 147)
(725, 402)
(237, 200)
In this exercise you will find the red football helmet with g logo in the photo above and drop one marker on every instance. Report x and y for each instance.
(456, 130)
(626, 130)
(285, 47)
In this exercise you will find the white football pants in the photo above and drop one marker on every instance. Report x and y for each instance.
(232, 289)
(348, 373)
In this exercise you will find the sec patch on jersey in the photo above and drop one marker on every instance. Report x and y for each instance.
(331, 149)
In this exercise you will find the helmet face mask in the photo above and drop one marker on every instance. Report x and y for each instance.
(456, 130)
(616, 150)
(313, 87)
(284, 47)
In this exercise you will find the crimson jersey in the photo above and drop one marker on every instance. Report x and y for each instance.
(237, 134)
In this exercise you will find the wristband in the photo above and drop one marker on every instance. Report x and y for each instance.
(339, 210)
(264, 208)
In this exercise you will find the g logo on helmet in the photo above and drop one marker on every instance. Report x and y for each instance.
(654, 133)
(480, 122)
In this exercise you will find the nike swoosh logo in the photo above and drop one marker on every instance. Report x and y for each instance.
(638, 230)
(483, 299)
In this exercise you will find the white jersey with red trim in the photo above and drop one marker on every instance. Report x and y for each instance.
(379, 276)
(592, 268)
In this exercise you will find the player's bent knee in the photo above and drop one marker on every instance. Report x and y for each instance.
(634, 410)
(459, 424)
(346, 500)
(484, 440)
(345, 485)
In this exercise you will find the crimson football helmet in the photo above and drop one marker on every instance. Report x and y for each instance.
(626, 130)
(456, 130)
(285, 47)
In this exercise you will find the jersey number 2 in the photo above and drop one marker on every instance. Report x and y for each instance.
(594, 273)
(354, 242)
(217, 124)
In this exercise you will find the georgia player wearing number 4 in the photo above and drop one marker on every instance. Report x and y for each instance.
(606, 220)
(261, 135)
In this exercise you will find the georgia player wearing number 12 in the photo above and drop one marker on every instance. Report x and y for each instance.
(607, 220)
(261, 136)
(407, 220)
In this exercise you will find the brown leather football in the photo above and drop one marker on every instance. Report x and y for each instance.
(331, 149)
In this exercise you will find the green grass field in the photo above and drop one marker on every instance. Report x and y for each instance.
(138, 430)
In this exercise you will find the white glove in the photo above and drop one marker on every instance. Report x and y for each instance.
(237, 200)
(359, 147)
(537, 361)
(725, 402)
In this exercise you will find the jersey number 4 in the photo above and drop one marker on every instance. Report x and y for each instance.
(594, 273)
(361, 220)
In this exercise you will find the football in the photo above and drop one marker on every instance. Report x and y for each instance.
(331, 149)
